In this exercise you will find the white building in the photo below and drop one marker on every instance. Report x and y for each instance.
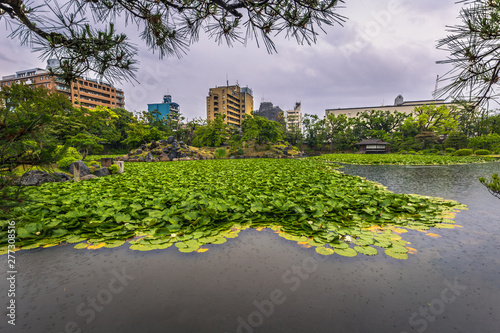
(294, 118)
(399, 105)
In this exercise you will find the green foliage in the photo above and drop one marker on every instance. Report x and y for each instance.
(432, 118)
(489, 142)
(482, 152)
(208, 202)
(65, 162)
(493, 184)
(142, 133)
(212, 134)
(463, 152)
(450, 150)
(456, 140)
(27, 115)
(113, 168)
(401, 159)
(85, 142)
(220, 153)
(261, 129)
(240, 151)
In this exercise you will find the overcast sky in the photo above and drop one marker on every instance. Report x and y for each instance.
(386, 48)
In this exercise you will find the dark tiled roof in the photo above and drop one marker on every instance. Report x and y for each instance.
(372, 142)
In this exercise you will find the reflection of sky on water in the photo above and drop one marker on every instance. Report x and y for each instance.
(208, 292)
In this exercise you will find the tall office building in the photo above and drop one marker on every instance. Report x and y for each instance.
(85, 92)
(232, 101)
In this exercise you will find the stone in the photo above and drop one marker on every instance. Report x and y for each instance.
(165, 150)
(102, 172)
(149, 157)
(170, 139)
(88, 177)
(37, 177)
(106, 162)
(153, 145)
(84, 170)
(163, 142)
(141, 159)
(121, 166)
(143, 147)
(164, 157)
(138, 151)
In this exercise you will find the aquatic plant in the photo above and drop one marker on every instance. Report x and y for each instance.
(190, 204)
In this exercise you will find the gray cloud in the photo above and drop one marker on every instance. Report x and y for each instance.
(375, 56)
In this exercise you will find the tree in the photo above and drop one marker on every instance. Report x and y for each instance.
(439, 119)
(167, 27)
(212, 134)
(474, 52)
(84, 143)
(26, 115)
(261, 129)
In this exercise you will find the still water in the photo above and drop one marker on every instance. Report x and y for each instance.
(260, 282)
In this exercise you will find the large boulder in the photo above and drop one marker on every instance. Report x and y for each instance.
(37, 177)
(170, 139)
(88, 177)
(84, 170)
(102, 172)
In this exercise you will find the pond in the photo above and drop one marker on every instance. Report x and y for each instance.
(259, 282)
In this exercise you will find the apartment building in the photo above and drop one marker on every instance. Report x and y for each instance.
(233, 101)
(86, 92)
(294, 118)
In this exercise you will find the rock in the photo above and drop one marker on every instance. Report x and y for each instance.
(163, 142)
(149, 157)
(106, 161)
(88, 177)
(173, 154)
(170, 139)
(84, 170)
(37, 177)
(164, 157)
(102, 172)
(165, 150)
(153, 145)
(141, 159)
(121, 166)
(138, 151)
(143, 147)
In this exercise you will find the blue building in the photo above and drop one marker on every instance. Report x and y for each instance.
(166, 109)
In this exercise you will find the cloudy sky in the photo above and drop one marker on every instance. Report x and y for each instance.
(386, 48)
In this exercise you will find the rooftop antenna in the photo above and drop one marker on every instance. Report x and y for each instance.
(227, 81)
(434, 94)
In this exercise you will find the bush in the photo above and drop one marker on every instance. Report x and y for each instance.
(426, 151)
(64, 163)
(113, 168)
(220, 153)
(71, 152)
(93, 163)
(463, 152)
(434, 151)
(482, 152)
(411, 151)
(450, 150)
(240, 151)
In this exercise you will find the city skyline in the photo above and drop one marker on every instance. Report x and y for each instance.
(384, 49)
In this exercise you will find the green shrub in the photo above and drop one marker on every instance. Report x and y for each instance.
(240, 151)
(113, 168)
(402, 151)
(64, 163)
(426, 151)
(71, 152)
(434, 151)
(463, 152)
(450, 150)
(482, 152)
(93, 163)
(411, 151)
(220, 153)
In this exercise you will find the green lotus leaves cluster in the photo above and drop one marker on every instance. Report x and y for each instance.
(192, 204)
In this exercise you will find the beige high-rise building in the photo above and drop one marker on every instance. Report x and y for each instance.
(88, 93)
(232, 101)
